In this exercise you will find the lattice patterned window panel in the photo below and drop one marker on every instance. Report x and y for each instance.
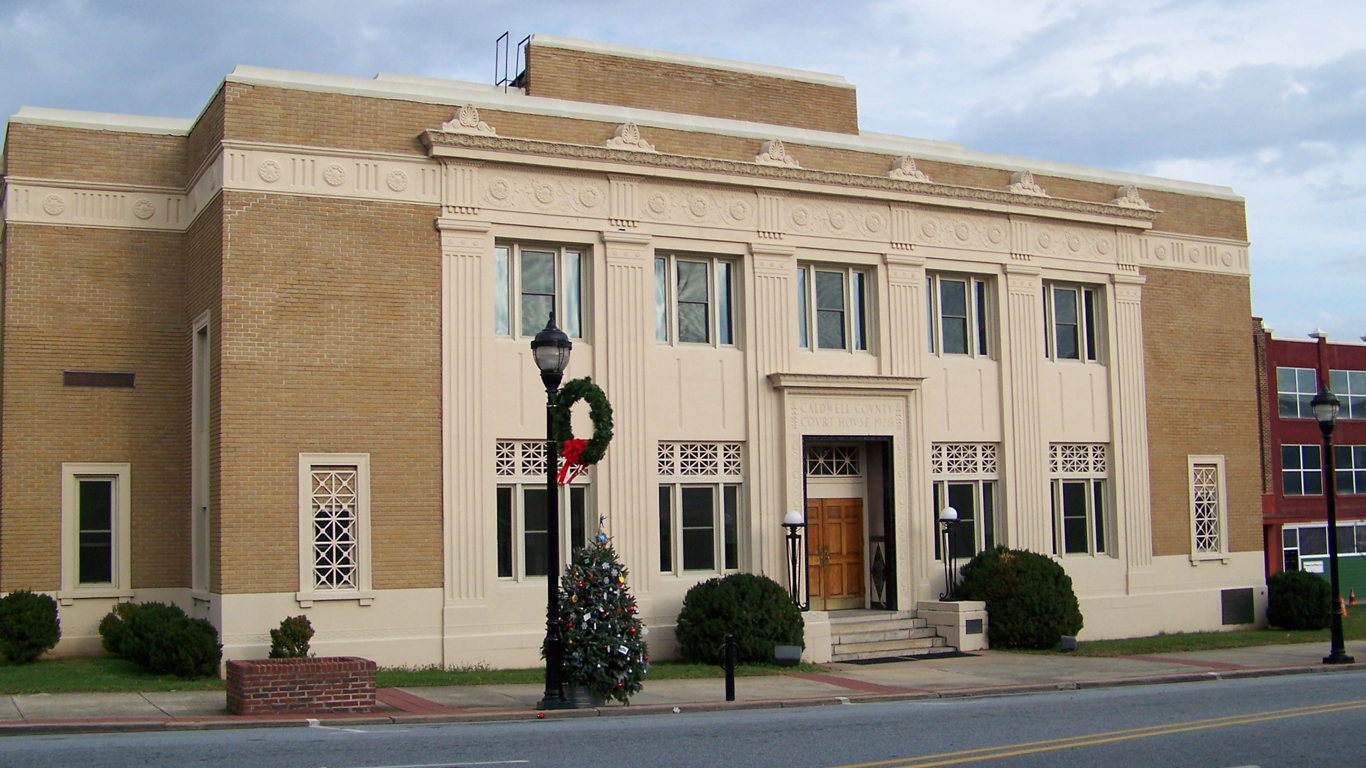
(1205, 496)
(520, 458)
(700, 460)
(335, 555)
(832, 461)
(1078, 459)
(963, 458)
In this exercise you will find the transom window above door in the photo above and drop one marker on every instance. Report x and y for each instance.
(531, 281)
(833, 461)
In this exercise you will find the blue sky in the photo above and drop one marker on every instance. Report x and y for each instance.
(1266, 97)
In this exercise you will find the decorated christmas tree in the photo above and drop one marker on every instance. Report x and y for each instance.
(604, 641)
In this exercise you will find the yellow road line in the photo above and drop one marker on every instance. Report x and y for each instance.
(1026, 748)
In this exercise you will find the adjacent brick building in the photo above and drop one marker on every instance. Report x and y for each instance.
(275, 359)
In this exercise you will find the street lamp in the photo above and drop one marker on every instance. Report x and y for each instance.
(1325, 406)
(551, 350)
(948, 517)
(794, 523)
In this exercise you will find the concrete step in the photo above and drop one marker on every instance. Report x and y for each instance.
(845, 617)
(855, 627)
(898, 633)
(861, 655)
(888, 647)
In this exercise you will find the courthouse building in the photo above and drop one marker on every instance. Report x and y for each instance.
(274, 360)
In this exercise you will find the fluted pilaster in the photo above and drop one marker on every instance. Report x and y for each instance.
(1028, 512)
(770, 335)
(1134, 508)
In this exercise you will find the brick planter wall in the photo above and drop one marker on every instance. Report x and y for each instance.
(332, 684)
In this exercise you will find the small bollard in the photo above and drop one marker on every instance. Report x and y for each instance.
(731, 651)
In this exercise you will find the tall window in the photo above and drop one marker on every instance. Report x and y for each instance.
(95, 531)
(1295, 389)
(334, 527)
(832, 308)
(964, 477)
(1209, 534)
(1072, 316)
(958, 312)
(522, 514)
(1080, 507)
(1301, 470)
(532, 280)
(699, 506)
(1350, 387)
(694, 301)
(199, 456)
(1349, 468)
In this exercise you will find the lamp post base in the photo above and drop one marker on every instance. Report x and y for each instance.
(547, 702)
(1338, 657)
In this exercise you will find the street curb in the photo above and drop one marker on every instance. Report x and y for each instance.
(61, 727)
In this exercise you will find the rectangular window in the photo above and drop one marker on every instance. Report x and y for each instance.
(697, 307)
(95, 531)
(1209, 534)
(1295, 389)
(699, 507)
(1350, 387)
(958, 315)
(199, 454)
(522, 528)
(1290, 547)
(334, 527)
(1072, 322)
(834, 308)
(964, 476)
(532, 281)
(1080, 498)
(1301, 470)
(1349, 467)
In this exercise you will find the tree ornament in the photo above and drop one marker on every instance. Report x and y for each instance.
(580, 454)
(604, 649)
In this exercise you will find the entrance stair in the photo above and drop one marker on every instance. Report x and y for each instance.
(863, 634)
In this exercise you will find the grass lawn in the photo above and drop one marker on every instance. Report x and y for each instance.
(1353, 628)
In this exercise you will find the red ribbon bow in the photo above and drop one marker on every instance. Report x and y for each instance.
(572, 452)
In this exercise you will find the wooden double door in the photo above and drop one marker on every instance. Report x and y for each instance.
(835, 566)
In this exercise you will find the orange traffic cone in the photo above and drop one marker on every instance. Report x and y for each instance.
(1342, 607)
(1352, 596)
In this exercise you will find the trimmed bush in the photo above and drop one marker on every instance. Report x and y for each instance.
(162, 639)
(114, 625)
(1029, 597)
(290, 641)
(1298, 600)
(756, 609)
(28, 626)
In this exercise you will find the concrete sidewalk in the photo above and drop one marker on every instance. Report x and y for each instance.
(983, 674)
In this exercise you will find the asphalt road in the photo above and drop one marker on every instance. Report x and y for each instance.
(1308, 720)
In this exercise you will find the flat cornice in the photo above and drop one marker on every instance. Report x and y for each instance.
(103, 121)
(690, 60)
(843, 381)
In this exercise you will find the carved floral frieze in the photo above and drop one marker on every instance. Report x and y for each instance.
(1073, 242)
(957, 230)
(544, 193)
(686, 204)
(826, 218)
(1159, 250)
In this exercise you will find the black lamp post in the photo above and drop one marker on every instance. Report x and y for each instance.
(1325, 406)
(794, 523)
(948, 517)
(551, 350)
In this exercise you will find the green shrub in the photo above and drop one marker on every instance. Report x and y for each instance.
(162, 639)
(1298, 600)
(114, 625)
(756, 609)
(28, 626)
(1029, 597)
(290, 641)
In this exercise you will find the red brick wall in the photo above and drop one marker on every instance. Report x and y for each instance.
(333, 684)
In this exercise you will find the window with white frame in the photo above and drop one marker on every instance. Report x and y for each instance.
(334, 527)
(833, 308)
(1301, 470)
(964, 476)
(531, 281)
(1080, 505)
(1303, 542)
(694, 299)
(96, 519)
(1349, 468)
(958, 314)
(1072, 322)
(699, 506)
(523, 513)
(1209, 527)
(1350, 387)
(1295, 390)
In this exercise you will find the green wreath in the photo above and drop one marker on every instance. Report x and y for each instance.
(599, 410)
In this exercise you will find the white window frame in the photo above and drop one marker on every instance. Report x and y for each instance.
(722, 277)
(309, 592)
(1358, 528)
(1090, 331)
(524, 469)
(808, 326)
(721, 466)
(1302, 397)
(977, 465)
(1095, 473)
(1301, 470)
(507, 288)
(980, 308)
(122, 585)
(1194, 465)
(1350, 387)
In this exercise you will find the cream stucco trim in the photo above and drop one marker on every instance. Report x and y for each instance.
(1218, 462)
(308, 592)
(121, 474)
